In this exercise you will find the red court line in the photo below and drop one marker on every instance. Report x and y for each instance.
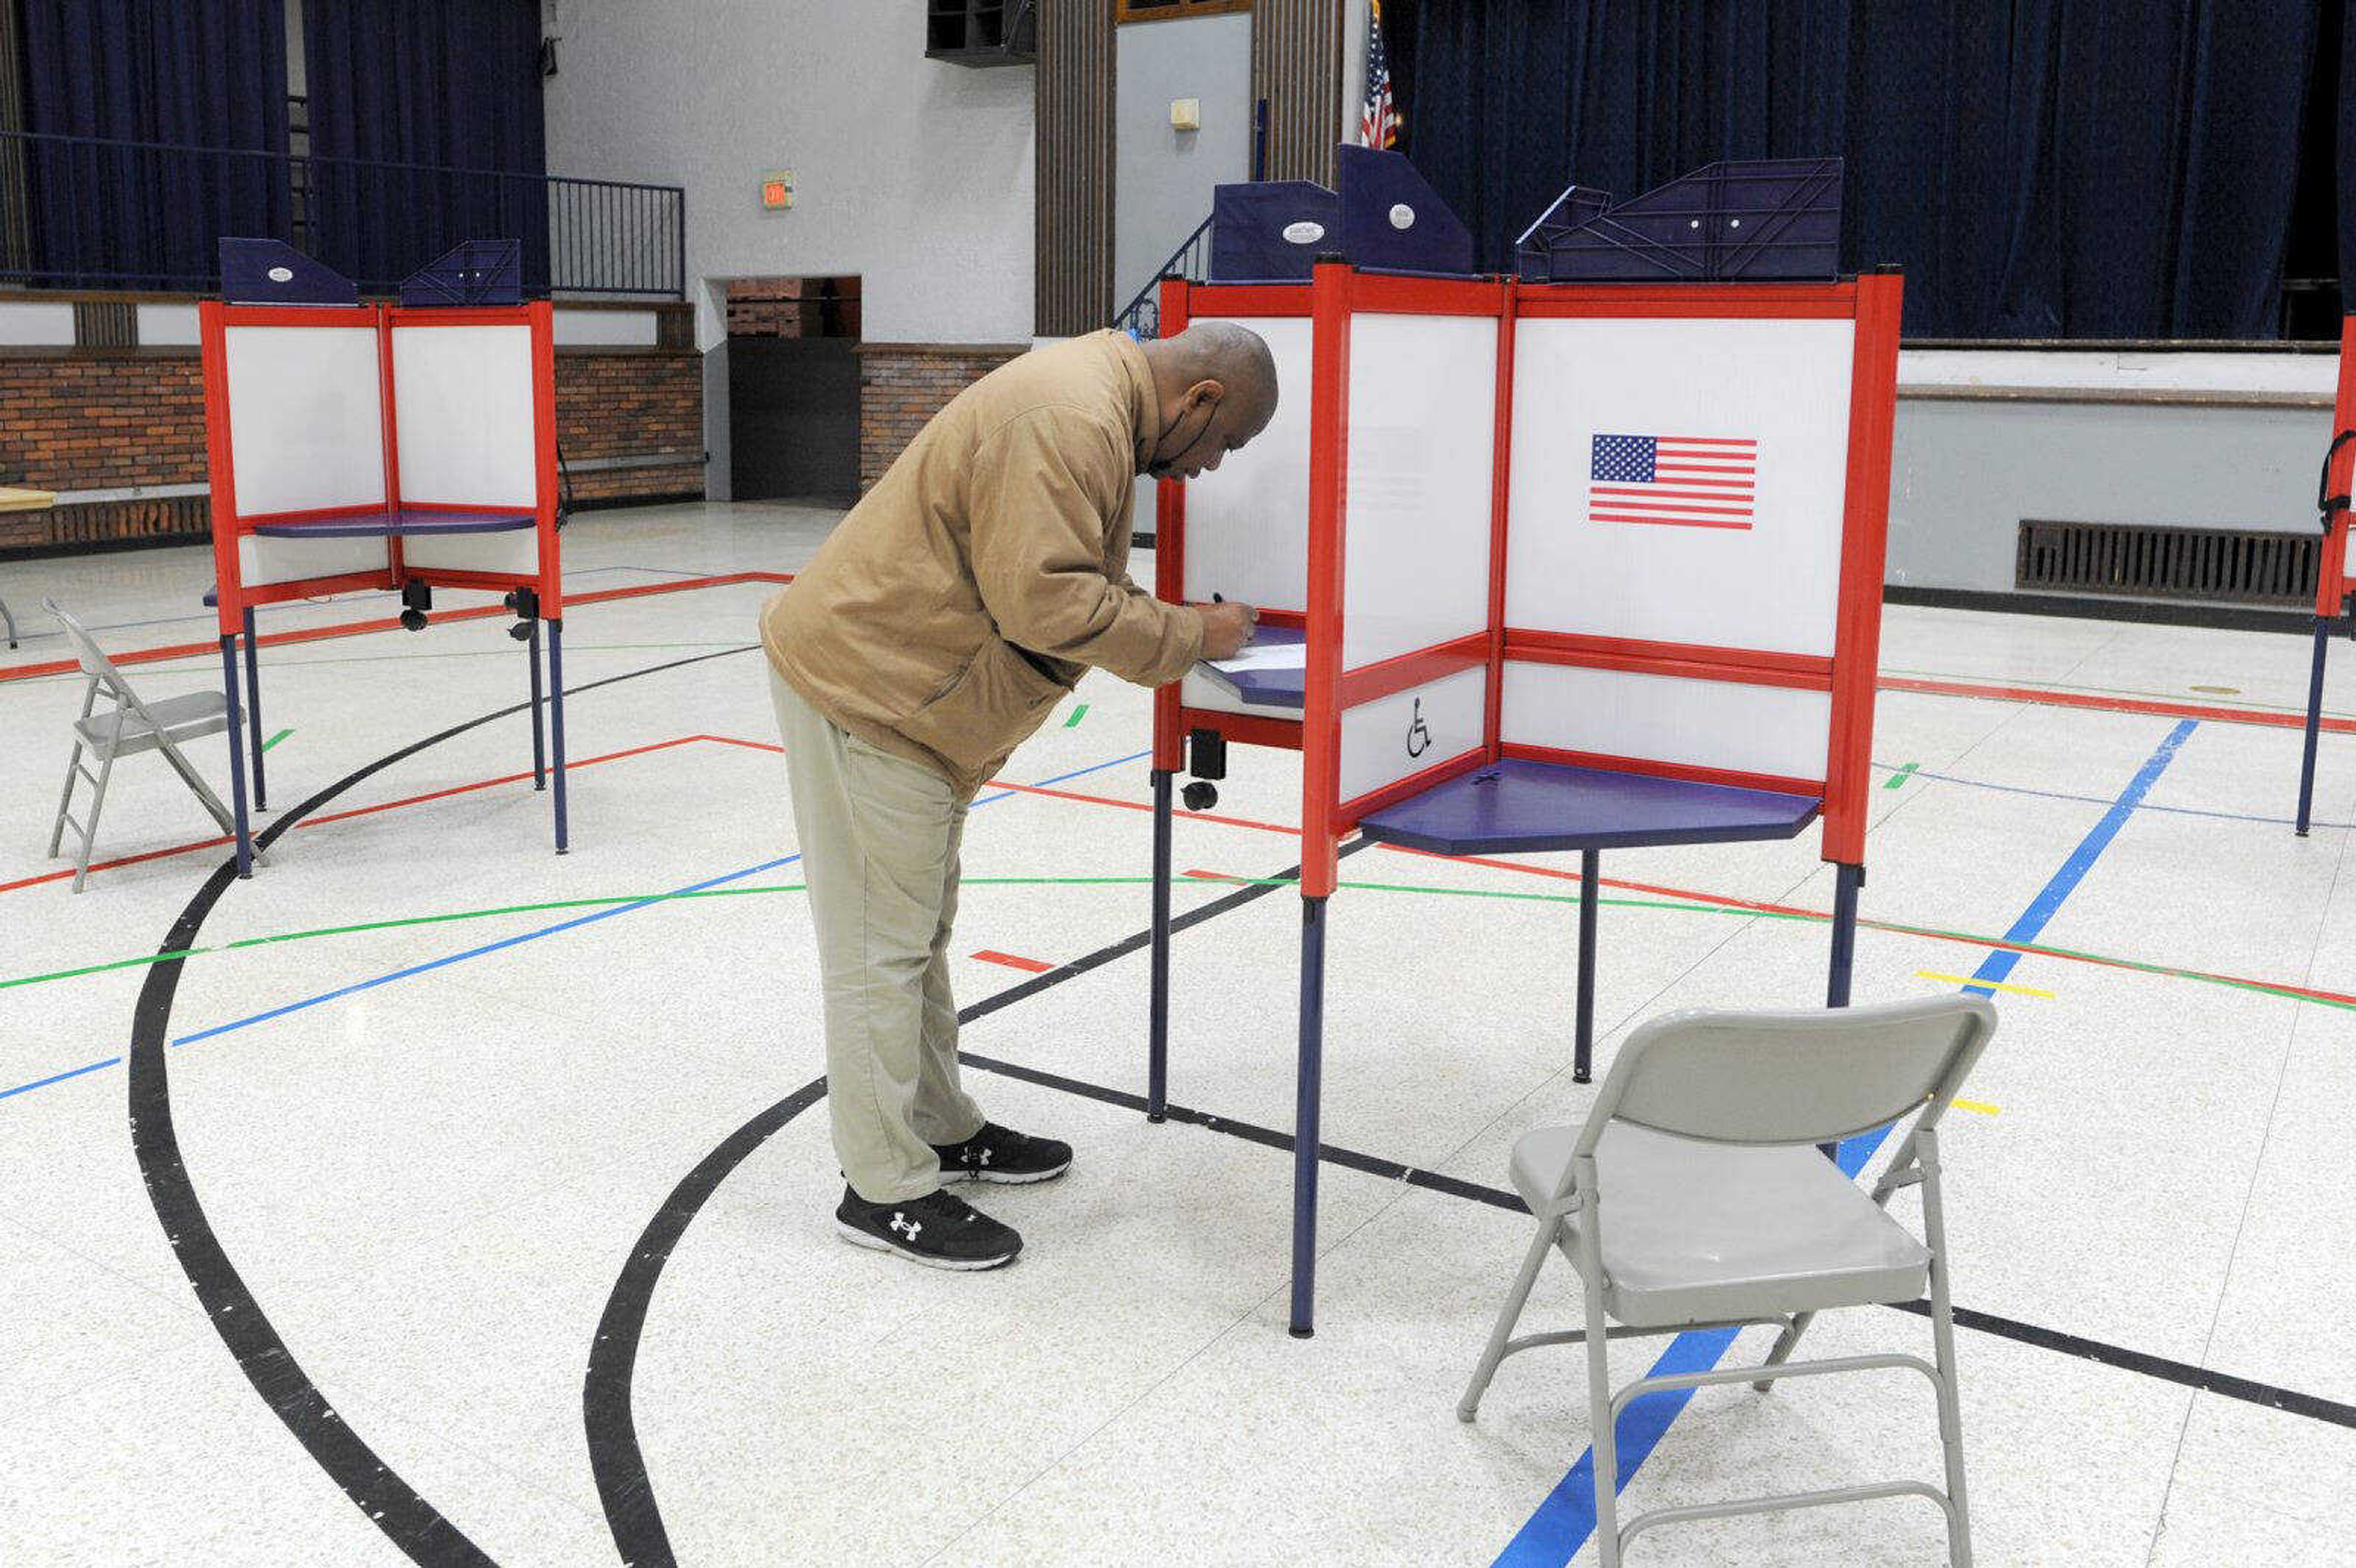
(2112, 704)
(991, 956)
(222, 839)
(362, 628)
(1724, 901)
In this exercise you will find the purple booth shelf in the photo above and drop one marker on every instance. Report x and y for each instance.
(1520, 806)
(1267, 687)
(400, 525)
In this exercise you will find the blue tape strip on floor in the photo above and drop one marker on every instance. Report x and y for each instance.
(1562, 1524)
(490, 947)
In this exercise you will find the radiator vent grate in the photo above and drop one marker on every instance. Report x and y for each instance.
(2144, 560)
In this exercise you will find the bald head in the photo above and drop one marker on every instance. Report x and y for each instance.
(1215, 384)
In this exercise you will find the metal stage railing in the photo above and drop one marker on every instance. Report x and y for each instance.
(88, 212)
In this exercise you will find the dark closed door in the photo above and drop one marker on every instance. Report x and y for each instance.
(793, 418)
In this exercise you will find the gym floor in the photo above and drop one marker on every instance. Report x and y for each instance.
(451, 1196)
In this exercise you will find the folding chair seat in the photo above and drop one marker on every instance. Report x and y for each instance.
(1693, 1232)
(1691, 1197)
(126, 733)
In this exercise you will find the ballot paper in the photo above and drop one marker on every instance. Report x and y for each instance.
(1271, 669)
(1264, 656)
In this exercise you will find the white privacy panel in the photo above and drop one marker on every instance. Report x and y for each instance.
(306, 416)
(261, 561)
(1247, 524)
(462, 396)
(517, 554)
(1665, 719)
(1679, 481)
(1394, 737)
(1423, 434)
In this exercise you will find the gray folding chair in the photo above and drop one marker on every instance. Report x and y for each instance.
(131, 726)
(1693, 1199)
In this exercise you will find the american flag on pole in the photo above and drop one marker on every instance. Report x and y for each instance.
(1689, 481)
(1379, 121)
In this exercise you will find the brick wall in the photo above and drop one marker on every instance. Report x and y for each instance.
(902, 385)
(630, 405)
(102, 424)
(108, 422)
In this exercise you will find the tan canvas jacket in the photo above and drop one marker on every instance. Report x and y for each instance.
(965, 595)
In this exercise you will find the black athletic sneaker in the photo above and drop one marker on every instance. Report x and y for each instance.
(1004, 1156)
(939, 1229)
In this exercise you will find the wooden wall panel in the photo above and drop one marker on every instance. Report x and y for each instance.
(1075, 154)
(1297, 67)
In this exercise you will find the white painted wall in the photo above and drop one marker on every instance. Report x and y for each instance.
(915, 175)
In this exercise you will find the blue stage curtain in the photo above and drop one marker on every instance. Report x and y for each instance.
(189, 74)
(440, 85)
(2045, 169)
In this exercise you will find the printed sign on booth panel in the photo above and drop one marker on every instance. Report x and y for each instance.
(1680, 480)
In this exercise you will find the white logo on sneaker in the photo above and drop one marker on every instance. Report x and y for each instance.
(981, 1156)
(904, 1224)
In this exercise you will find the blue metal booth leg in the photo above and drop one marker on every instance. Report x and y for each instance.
(254, 710)
(1590, 872)
(556, 721)
(1305, 1140)
(236, 759)
(1157, 1047)
(2314, 724)
(1847, 881)
(539, 737)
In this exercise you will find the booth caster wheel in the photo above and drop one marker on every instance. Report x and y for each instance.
(1200, 796)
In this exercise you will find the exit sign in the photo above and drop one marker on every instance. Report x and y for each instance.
(778, 191)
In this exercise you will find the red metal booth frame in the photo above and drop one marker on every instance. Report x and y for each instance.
(1872, 300)
(539, 594)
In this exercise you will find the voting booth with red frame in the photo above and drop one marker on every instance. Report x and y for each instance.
(2333, 585)
(390, 447)
(1577, 566)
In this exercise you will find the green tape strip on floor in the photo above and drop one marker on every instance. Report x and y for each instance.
(2163, 971)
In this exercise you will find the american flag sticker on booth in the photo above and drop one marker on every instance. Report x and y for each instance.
(1684, 481)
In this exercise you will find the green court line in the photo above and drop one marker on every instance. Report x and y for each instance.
(2163, 971)
(1077, 714)
(276, 739)
(1900, 776)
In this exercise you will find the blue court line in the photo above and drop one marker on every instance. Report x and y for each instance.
(490, 947)
(2098, 800)
(1563, 1522)
(61, 1077)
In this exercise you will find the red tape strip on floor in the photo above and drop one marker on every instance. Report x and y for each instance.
(1036, 966)
(362, 628)
(1012, 961)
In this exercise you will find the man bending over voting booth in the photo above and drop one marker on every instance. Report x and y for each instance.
(1541, 565)
(406, 447)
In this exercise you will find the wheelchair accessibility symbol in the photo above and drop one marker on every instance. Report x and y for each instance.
(1418, 738)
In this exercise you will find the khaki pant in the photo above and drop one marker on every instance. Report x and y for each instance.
(879, 840)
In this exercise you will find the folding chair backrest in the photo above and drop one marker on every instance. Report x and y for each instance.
(93, 661)
(1807, 1077)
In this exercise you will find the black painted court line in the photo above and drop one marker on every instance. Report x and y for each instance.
(620, 1464)
(615, 1458)
(420, 1531)
(2223, 1384)
(407, 1520)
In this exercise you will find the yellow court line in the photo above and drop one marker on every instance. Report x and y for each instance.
(1983, 985)
(1976, 1105)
